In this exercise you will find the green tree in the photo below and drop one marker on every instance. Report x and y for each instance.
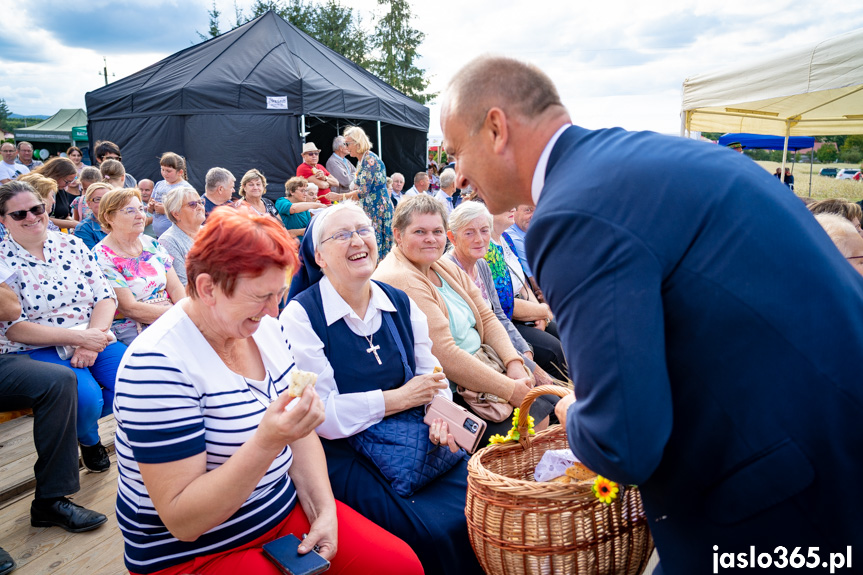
(397, 43)
(4, 114)
(340, 28)
(333, 25)
(827, 154)
(851, 150)
(214, 23)
(239, 17)
(336, 27)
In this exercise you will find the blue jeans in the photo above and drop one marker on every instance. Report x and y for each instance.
(95, 386)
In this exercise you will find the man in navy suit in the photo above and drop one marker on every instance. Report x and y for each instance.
(712, 330)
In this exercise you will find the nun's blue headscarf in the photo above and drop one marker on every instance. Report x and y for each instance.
(309, 272)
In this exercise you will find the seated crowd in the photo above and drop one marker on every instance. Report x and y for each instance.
(146, 301)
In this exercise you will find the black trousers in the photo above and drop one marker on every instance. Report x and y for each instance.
(52, 392)
(547, 350)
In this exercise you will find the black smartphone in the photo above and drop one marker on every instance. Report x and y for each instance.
(283, 552)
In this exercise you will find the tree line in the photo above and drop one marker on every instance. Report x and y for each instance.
(387, 47)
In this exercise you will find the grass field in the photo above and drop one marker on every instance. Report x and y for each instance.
(822, 187)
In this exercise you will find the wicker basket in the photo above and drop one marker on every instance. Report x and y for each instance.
(519, 526)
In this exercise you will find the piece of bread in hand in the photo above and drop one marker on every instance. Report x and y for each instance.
(300, 380)
(578, 471)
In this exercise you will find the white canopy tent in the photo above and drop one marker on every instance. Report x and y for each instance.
(812, 91)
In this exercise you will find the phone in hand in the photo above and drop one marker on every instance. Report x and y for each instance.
(465, 427)
(283, 552)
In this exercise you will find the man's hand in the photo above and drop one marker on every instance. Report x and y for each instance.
(562, 407)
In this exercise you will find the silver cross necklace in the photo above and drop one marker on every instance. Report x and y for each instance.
(372, 347)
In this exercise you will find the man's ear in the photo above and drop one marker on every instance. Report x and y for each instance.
(497, 128)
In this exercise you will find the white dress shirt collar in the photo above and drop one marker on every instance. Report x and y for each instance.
(539, 172)
(336, 308)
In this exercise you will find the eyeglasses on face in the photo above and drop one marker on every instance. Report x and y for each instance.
(19, 215)
(311, 153)
(345, 236)
(130, 211)
(195, 204)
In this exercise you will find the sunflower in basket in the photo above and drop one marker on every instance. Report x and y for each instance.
(513, 434)
(605, 489)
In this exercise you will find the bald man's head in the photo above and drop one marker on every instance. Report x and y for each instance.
(518, 88)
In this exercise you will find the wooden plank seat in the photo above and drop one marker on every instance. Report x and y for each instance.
(18, 453)
(10, 415)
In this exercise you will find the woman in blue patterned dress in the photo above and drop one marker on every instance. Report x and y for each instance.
(371, 180)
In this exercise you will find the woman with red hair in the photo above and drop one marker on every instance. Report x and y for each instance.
(208, 437)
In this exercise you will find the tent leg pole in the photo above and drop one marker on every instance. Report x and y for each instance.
(303, 128)
(380, 143)
(785, 151)
(811, 153)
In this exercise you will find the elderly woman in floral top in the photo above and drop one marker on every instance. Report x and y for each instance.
(60, 286)
(371, 180)
(137, 266)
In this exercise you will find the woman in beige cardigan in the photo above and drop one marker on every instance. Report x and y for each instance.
(415, 265)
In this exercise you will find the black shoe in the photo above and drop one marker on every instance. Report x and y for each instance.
(95, 458)
(63, 513)
(6, 562)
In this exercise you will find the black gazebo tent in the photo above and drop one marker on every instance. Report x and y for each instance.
(245, 99)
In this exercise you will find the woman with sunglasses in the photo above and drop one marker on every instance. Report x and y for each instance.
(47, 190)
(60, 286)
(137, 266)
(185, 208)
(64, 172)
(253, 186)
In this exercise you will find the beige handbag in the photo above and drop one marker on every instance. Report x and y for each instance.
(487, 405)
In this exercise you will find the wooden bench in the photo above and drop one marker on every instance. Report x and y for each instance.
(18, 453)
(10, 415)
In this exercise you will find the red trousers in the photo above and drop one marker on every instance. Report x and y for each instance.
(363, 548)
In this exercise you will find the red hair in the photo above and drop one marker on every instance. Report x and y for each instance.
(237, 242)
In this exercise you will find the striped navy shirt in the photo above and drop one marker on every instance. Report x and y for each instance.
(175, 398)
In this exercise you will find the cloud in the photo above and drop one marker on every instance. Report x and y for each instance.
(14, 48)
(677, 30)
(113, 26)
(615, 62)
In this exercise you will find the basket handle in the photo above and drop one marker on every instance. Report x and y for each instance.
(528, 401)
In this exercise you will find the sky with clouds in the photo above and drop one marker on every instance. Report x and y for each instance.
(615, 63)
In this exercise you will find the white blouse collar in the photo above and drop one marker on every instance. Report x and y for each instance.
(335, 307)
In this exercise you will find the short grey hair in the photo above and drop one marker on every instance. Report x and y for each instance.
(21, 143)
(175, 199)
(217, 177)
(447, 178)
(322, 217)
(839, 229)
(338, 142)
(465, 213)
